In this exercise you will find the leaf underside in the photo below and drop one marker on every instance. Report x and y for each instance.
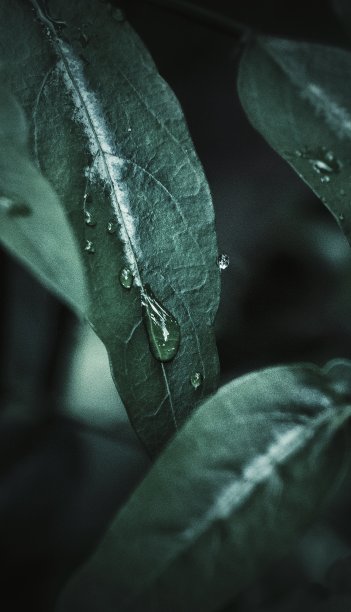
(110, 136)
(244, 477)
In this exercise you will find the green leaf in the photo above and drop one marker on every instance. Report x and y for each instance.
(297, 96)
(243, 478)
(33, 225)
(111, 138)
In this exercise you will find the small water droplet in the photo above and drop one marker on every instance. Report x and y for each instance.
(298, 153)
(14, 209)
(323, 161)
(111, 227)
(162, 328)
(196, 380)
(126, 278)
(118, 15)
(129, 129)
(89, 247)
(89, 219)
(325, 179)
(223, 261)
(342, 192)
(87, 198)
(341, 216)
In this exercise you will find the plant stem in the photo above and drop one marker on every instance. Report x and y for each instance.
(203, 15)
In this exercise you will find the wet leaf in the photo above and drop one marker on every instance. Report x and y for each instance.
(296, 95)
(110, 136)
(234, 489)
(33, 226)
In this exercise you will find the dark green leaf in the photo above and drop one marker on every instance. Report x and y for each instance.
(297, 96)
(111, 138)
(232, 491)
(33, 225)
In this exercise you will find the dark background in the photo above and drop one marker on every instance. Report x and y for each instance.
(285, 298)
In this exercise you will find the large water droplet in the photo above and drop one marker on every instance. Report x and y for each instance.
(126, 278)
(89, 247)
(89, 219)
(223, 261)
(196, 380)
(111, 227)
(162, 328)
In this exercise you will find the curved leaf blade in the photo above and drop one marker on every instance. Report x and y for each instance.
(296, 95)
(111, 138)
(33, 226)
(226, 496)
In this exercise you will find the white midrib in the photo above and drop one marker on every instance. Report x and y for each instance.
(120, 216)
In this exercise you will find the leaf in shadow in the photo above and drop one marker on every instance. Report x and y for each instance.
(33, 225)
(296, 95)
(231, 492)
(110, 136)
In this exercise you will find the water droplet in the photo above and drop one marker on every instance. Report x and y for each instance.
(14, 209)
(162, 328)
(118, 15)
(323, 161)
(342, 192)
(223, 261)
(89, 219)
(196, 380)
(298, 153)
(89, 247)
(129, 129)
(126, 278)
(325, 179)
(341, 216)
(111, 227)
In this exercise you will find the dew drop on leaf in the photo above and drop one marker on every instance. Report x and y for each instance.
(196, 380)
(126, 278)
(162, 328)
(89, 219)
(341, 216)
(89, 247)
(323, 161)
(111, 227)
(223, 261)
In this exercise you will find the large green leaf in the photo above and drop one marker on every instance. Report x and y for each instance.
(33, 225)
(297, 96)
(110, 136)
(235, 487)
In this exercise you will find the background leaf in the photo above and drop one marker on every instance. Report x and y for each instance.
(33, 225)
(239, 482)
(111, 138)
(297, 96)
